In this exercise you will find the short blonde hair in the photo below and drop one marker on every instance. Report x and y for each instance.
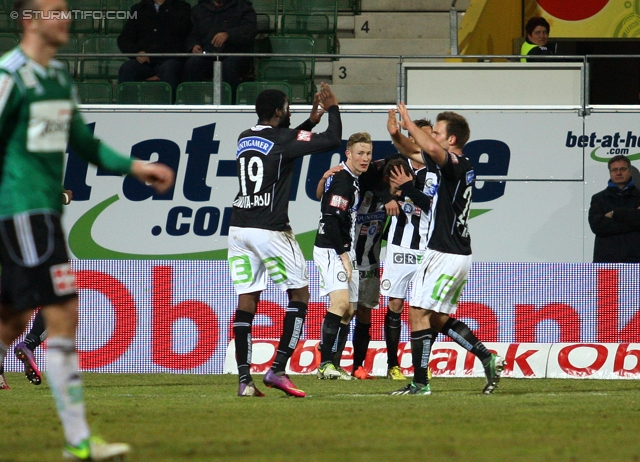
(360, 137)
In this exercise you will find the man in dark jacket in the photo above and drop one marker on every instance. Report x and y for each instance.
(221, 26)
(158, 26)
(614, 216)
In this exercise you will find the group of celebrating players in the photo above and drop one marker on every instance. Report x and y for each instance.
(426, 191)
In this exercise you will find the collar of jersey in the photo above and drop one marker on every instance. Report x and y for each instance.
(38, 68)
(258, 128)
(344, 164)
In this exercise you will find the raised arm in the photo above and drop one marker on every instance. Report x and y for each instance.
(424, 141)
(403, 144)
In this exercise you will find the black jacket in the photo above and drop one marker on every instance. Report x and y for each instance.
(164, 31)
(617, 238)
(235, 17)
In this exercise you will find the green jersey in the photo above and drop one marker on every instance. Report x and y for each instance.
(38, 117)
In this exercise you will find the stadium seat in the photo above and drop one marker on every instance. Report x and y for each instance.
(318, 18)
(100, 68)
(351, 6)
(94, 92)
(8, 41)
(201, 93)
(292, 71)
(247, 92)
(114, 25)
(315, 25)
(144, 93)
(297, 71)
(268, 8)
(295, 44)
(72, 62)
(8, 25)
(86, 23)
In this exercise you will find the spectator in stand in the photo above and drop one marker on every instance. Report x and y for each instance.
(221, 26)
(537, 42)
(614, 216)
(157, 26)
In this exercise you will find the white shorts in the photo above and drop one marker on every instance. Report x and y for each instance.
(400, 265)
(333, 275)
(439, 281)
(369, 288)
(257, 253)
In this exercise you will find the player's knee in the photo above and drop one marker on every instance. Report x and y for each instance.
(363, 314)
(299, 295)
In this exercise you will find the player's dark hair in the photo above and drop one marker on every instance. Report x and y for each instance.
(423, 123)
(402, 163)
(267, 102)
(534, 22)
(360, 137)
(456, 126)
(619, 158)
(19, 6)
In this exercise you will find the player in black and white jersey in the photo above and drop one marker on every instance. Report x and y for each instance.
(407, 237)
(334, 252)
(371, 216)
(261, 242)
(438, 283)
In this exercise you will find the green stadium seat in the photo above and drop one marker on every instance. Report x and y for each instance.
(100, 68)
(318, 18)
(94, 92)
(291, 71)
(144, 93)
(70, 47)
(297, 71)
(114, 25)
(87, 23)
(298, 45)
(267, 8)
(201, 93)
(314, 25)
(351, 6)
(247, 92)
(8, 25)
(8, 41)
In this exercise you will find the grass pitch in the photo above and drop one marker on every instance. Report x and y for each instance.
(200, 418)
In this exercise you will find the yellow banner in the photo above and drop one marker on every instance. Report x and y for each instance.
(588, 18)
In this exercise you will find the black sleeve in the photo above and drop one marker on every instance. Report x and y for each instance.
(245, 31)
(128, 38)
(336, 212)
(303, 142)
(194, 38)
(600, 224)
(306, 125)
(418, 197)
(629, 217)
